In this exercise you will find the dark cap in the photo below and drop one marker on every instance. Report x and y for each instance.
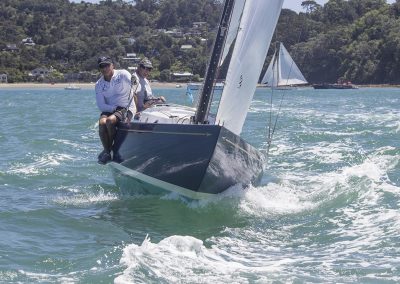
(104, 60)
(145, 62)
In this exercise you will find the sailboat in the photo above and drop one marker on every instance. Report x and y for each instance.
(282, 72)
(190, 151)
(72, 87)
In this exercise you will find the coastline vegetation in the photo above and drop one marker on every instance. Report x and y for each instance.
(357, 40)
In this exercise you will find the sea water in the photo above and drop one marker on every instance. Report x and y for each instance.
(328, 209)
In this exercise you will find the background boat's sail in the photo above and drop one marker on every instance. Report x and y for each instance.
(283, 71)
(290, 74)
(271, 75)
(257, 25)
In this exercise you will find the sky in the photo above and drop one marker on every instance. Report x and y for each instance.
(294, 5)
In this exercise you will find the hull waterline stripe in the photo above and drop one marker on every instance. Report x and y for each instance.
(159, 183)
(166, 132)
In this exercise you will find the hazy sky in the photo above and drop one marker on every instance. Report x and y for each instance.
(294, 5)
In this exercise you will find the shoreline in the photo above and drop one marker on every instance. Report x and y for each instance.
(80, 85)
(166, 85)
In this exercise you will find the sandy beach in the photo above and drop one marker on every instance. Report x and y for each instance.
(81, 85)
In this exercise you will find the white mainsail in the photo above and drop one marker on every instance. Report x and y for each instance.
(256, 28)
(283, 71)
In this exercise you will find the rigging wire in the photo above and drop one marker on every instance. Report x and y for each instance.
(271, 132)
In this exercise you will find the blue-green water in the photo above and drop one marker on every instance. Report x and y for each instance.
(328, 210)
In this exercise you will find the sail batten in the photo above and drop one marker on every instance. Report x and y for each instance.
(258, 22)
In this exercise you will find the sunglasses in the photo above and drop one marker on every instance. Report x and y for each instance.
(102, 66)
(146, 68)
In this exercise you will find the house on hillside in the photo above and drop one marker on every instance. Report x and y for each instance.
(131, 59)
(132, 69)
(3, 78)
(12, 47)
(176, 33)
(182, 76)
(199, 25)
(40, 71)
(28, 41)
(186, 46)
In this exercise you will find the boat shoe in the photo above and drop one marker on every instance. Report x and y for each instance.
(104, 157)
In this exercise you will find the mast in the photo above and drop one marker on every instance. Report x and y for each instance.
(203, 106)
(278, 63)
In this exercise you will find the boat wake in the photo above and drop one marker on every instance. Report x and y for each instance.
(347, 209)
(177, 259)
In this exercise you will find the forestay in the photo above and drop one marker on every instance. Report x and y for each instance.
(256, 28)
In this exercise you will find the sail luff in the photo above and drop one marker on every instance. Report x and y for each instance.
(269, 77)
(257, 25)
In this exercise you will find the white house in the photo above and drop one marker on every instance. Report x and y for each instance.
(182, 76)
(186, 46)
(11, 47)
(40, 72)
(28, 41)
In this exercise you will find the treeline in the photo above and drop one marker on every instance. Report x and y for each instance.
(358, 40)
(70, 37)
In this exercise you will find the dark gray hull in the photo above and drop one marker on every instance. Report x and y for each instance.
(335, 86)
(196, 161)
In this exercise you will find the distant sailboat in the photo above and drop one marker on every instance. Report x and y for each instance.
(72, 87)
(282, 72)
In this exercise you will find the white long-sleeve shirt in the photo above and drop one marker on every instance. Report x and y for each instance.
(110, 95)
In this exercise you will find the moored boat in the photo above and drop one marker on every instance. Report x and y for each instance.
(72, 87)
(335, 86)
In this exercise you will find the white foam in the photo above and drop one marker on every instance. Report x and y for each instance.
(45, 277)
(85, 198)
(182, 259)
(70, 143)
(44, 163)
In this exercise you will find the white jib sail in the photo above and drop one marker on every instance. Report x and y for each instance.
(257, 25)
